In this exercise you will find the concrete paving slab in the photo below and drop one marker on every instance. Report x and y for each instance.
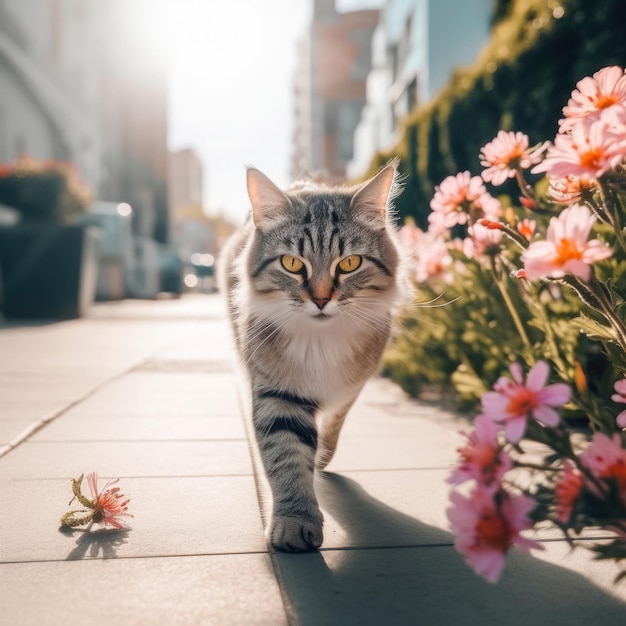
(207, 590)
(432, 585)
(384, 509)
(164, 394)
(171, 517)
(392, 452)
(12, 427)
(77, 428)
(153, 458)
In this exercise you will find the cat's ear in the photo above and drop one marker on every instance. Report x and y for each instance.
(372, 200)
(269, 203)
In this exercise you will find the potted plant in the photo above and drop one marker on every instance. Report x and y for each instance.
(47, 260)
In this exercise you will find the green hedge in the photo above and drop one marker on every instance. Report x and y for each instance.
(538, 51)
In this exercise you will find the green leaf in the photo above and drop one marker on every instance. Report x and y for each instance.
(594, 329)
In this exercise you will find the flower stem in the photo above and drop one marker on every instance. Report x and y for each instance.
(512, 310)
(525, 188)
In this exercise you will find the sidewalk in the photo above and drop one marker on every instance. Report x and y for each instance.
(148, 391)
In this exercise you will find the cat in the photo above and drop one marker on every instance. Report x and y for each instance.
(311, 283)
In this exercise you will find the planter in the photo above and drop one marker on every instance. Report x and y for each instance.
(48, 270)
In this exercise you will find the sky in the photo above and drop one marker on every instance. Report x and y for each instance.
(230, 89)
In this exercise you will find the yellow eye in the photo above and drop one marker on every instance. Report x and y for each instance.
(349, 264)
(291, 263)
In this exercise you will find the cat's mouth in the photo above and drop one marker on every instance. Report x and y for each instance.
(322, 316)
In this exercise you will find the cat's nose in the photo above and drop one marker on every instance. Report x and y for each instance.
(321, 302)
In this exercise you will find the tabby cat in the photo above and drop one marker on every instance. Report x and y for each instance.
(312, 280)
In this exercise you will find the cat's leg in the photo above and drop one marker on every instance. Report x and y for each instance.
(329, 435)
(285, 429)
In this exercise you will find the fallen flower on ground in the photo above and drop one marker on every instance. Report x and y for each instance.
(107, 505)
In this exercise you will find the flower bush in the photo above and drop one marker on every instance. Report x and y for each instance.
(43, 190)
(536, 287)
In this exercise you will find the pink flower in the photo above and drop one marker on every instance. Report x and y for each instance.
(109, 504)
(587, 153)
(461, 198)
(569, 189)
(486, 241)
(506, 154)
(567, 249)
(486, 527)
(567, 491)
(513, 401)
(429, 254)
(483, 458)
(620, 396)
(594, 95)
(606, 459)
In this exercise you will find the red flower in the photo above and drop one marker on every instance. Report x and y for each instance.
(567, 491)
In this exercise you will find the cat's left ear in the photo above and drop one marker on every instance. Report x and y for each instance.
(269, 203)
(373, 199)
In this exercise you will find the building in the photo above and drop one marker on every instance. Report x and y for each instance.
(334, 60)
(415, 48)
(185, 179)
(192, 231)
(85, 81)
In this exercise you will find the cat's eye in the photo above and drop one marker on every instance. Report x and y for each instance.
(349, 264)
(291, 263)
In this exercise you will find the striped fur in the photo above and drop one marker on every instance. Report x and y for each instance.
(309, 340)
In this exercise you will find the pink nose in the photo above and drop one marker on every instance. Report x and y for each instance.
(321, 302)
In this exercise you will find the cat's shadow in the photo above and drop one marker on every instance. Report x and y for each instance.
(424, 580)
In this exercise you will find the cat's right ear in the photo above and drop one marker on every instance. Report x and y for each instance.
(269, 203)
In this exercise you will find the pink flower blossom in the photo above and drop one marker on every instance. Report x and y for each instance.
(593, 95)
(485, 241)
(482, 459)
(606, 458)
(486, 529)
(506, 154)
(513, 401)
(459, 199)
(566, 249)
(588, 152)
(567, 491)
(429, 254)
(110, 504)
(620, 396)
(569, 189)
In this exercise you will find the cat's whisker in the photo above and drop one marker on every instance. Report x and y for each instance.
(430, 303)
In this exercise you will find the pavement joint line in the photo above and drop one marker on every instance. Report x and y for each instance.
(96, 441)
(138, 556)
(44, 421)
(133, 477)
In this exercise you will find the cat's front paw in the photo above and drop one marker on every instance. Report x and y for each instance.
(296, 534)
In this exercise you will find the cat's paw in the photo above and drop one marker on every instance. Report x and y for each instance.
(296, 534)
